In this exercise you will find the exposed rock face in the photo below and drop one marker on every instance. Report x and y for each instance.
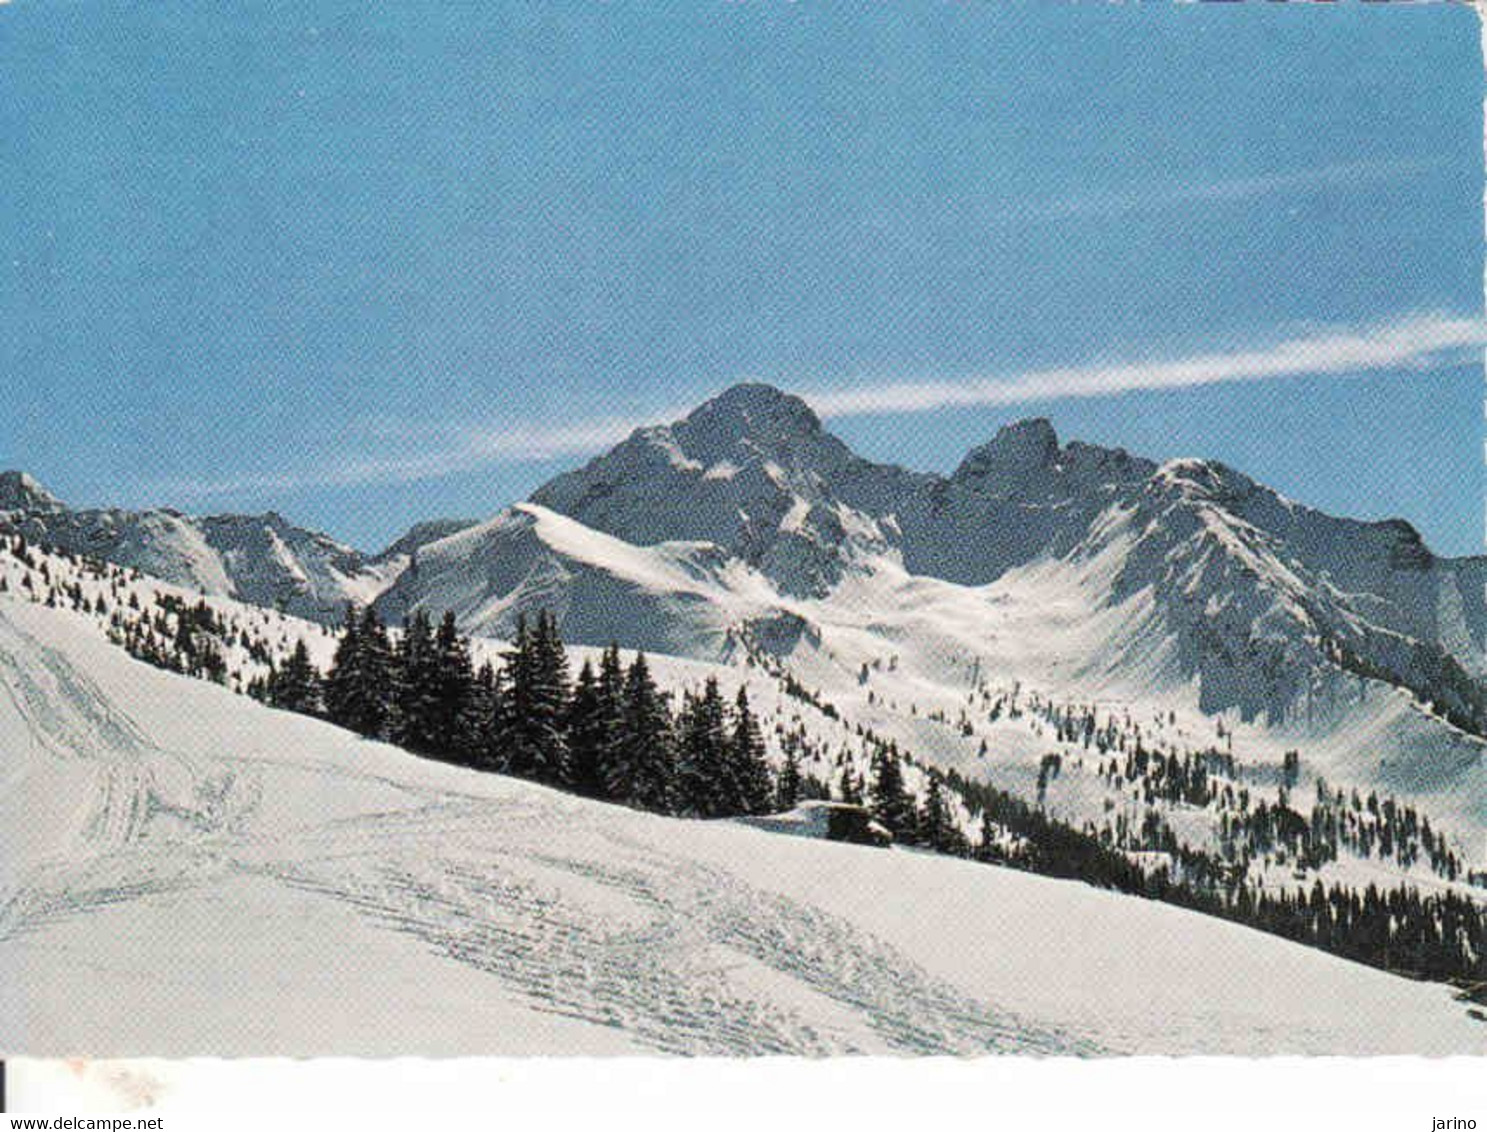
(20, 492)
(752, 471)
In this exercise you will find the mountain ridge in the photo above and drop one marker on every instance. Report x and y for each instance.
(1044, 597)
(747, 515)
(1266, 603)
(18, 483)
(264, 559)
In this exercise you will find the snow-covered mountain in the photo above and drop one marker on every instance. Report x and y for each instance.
(753, 472)
(671, 598)
(420, 535)
(1183, 593)
(262, 559)
(1086, 574)
(1269, 607)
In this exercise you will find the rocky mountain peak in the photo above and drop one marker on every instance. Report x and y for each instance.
(1017, 450)
(752, 414)
(20, 491)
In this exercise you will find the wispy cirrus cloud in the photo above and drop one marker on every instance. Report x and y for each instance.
(447, 450)
(1418, 342)
(1162, 196)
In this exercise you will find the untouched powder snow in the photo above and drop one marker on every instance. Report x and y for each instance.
(187, 871)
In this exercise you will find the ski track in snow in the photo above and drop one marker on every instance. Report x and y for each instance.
(704, 964)
(504, 901)
(671, 976)
(114, 863)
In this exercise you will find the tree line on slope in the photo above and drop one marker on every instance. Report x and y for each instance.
(1248, 828)
(613, 735)
(610, 734)
(1440, 936)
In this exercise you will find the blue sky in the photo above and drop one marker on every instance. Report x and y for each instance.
(368, 264)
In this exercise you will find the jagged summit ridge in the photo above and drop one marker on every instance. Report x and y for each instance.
(1235, 577)
(1024, 459)
(751, 424)
(751, 470)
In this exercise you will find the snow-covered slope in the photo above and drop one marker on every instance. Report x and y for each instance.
(751, 471)
(1163, 658)
(144, 614)
(681, 598)
(186, 870)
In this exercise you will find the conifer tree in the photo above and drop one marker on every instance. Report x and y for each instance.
(892, 804)
(344, 671)
(704, 780)
(787, 790)
(586, 737)
(610, 728)
(749, 777)
(538, 671)
(644, 769)
(935, 828)
(850, 788)
(185, 647)
(296, 685)
(986, 847)
(452, 727)
(370, 705)
(489, 717)
(414, 722)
